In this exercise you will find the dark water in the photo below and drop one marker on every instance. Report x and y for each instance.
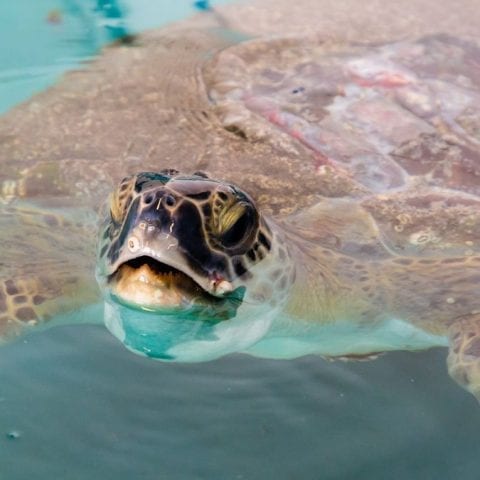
(74, 404)
(82, 407)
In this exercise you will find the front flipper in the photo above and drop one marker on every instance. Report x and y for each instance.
(47, 255)
(55, 297)
(464, 354)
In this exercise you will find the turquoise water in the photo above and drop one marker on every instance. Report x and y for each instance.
(85, 408)
(51, 36)
(74, 404)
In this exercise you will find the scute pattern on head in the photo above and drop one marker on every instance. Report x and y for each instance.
(208, 229)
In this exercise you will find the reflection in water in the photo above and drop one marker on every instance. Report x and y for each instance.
(181, 337)
(102, 20)
(114, 15)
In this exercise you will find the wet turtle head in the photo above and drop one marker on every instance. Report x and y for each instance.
(187, 247)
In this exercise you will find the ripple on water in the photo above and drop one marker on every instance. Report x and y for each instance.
(85, 406)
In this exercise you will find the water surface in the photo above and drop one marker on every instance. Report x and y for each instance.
(75, 404)
(47, 37)
(85, 408)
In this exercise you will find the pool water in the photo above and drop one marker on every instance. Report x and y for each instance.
(75, 404)
(41, 39)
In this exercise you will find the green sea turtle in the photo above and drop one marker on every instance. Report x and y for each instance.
(340, 214)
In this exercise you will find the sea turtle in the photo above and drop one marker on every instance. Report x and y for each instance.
(276, 196)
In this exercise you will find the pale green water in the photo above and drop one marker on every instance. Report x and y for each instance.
(74, 404)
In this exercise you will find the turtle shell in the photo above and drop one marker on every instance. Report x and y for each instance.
(395, 127)
(294, 121)
(388, 116)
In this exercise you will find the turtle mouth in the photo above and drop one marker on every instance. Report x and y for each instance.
(146, 283)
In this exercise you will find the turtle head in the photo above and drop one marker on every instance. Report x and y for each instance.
(186, 250)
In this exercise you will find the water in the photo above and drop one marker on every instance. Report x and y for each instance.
(52, 36)
(75, 404)
(85, 408)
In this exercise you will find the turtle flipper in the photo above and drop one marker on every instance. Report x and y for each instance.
(46, 263)
(32, 301)
(464, 354)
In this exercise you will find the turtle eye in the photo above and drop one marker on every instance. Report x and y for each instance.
(237, 224)
(233, 220)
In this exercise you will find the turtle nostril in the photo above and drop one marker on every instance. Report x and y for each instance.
(148, 199)
(169, 200)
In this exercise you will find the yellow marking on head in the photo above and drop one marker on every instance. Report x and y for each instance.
(228, 217)
(115, 209)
